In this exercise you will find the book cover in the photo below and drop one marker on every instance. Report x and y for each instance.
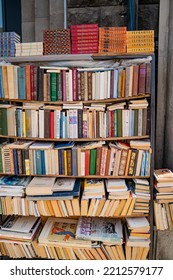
(100, 229)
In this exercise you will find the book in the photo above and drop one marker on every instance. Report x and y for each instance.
(40, 186)
(100, 229)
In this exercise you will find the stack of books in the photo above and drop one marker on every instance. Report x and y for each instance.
(13, 185)
(137, 231)
(84, 38)
(141, 41)
(163, 185)
(93, 188)
(57, 41)
(112, 39)
(45, 188)
(7, 43)
(117, 189)
(17, 235)
(29, 49)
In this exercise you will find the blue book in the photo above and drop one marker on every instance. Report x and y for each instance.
(16, 165)
(64, 145)
(147, 162)
(142, 172)
(1, 84)
(43, 162)
(60, 161)
(38, 162)
(18, 122)
(115, 92)
(21, 83)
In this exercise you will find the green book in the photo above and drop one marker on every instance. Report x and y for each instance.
(136, 122)
(53, 84)
(4, 121)
(93, 154)
(119, 122)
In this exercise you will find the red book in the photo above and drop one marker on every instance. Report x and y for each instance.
(74, 83)
(28, 82)
(87, 162)
(52, 124)
(64, 95)
(84, 26)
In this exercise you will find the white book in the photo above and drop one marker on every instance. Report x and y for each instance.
(101, 80)
(70, 86)
(82, 164)
(140, 111)
(41, 123)
(40, 186)
(105, 84)
(109, 85)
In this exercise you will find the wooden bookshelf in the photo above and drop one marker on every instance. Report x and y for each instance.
(77, 139)
(105, 101)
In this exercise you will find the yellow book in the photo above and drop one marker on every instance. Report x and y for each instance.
(145, 254)
(24, 123)
(69, 207)
(95, 254)
(91, 206)
(134, 252)
(128, 252)
(139, 253)
(120, 252)
(76, 207)
(130, 211)
(114, 207)
(100, 207)
(120, 208)
(126, 207)
(65, 162)
(110, 252)
(56, 208)
(115, 252)
(90, 256)
(101, 253)
(84, 207)
(51, 210)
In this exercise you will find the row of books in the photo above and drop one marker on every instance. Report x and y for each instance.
(163, 214)
(29, 49)
(90, 122)
(85, 232)
(51, 83)
(70, 159)
(32, 250)
(163, 185)
(112, 208)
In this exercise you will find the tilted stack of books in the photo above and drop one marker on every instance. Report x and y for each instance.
(7, 43)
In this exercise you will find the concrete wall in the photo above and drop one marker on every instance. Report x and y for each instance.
(39, 15)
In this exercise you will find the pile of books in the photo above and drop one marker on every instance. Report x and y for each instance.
(29, 49)
(141, 41)
(112, 39)
(163, 204)
(137, 231)
(117, 189)
(57, 41)
(17, 235)
(163, 185)
(7, 43)
(13, 185)
(84, 38)
(93, 188)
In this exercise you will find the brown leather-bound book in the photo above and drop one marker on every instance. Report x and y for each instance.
(148, 78)
(78, 85)
(35, 74)
(135, 80)
(144, 122)
(28, 82)
(120, 73)
(69, 162)
(132, 163)
(98, 160)
(19, 159)
(89, 85)
(123, 161)
(46, 123)
(82, 87)
(107, 162)
(142, 78)
(32, 81)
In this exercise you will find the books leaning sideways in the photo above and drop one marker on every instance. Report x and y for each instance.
(7, 43)
(42, 188)
(62, 232)
(106, 230)
(137, 232)
(163, 185)
(28, 49)
(13, 185)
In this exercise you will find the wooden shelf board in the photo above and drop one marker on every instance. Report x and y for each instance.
(76, 139)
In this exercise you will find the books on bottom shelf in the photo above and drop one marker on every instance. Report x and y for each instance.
(163, 215)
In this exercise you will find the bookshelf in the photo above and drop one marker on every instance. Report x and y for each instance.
(151, 99)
